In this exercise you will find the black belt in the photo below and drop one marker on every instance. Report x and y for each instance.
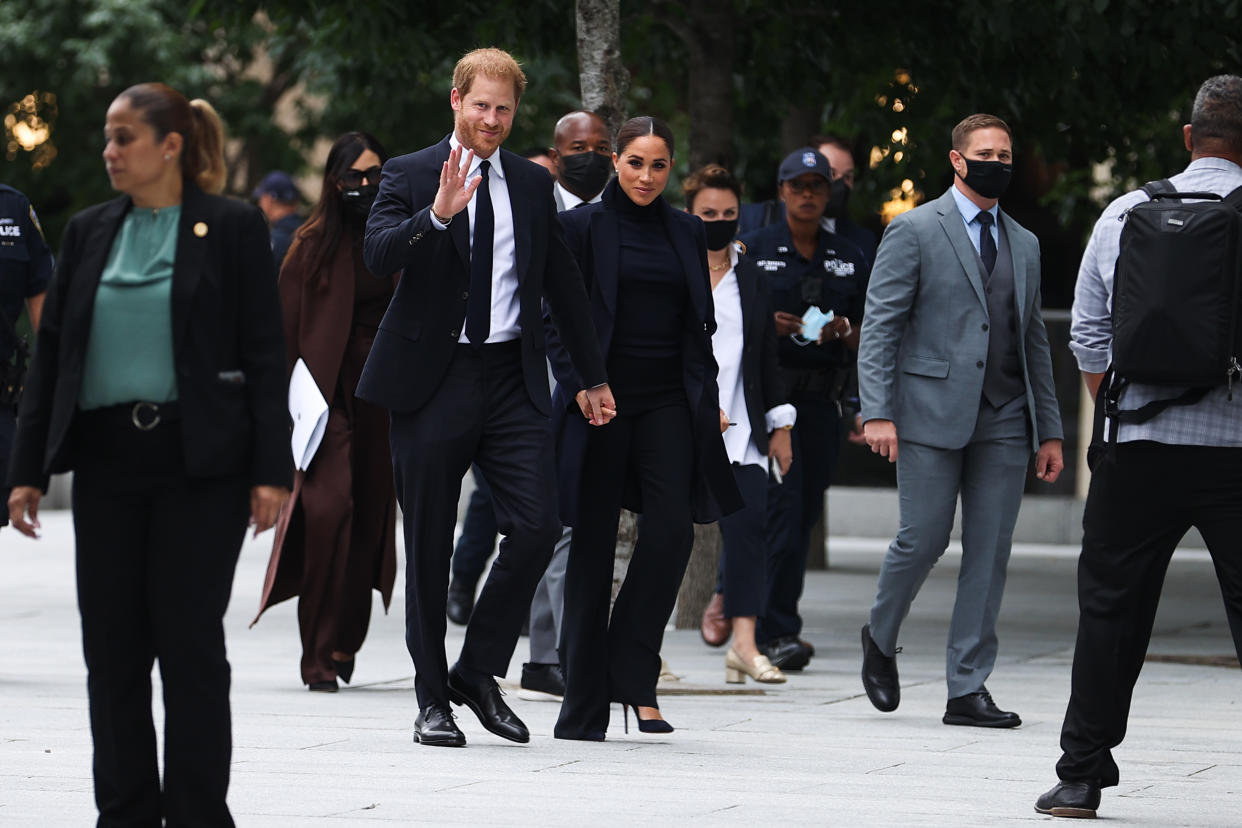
(141, 415)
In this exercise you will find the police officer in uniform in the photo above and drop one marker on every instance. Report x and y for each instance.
(25, 271)
(806, 266)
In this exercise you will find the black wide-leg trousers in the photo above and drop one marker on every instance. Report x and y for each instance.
(619, 659)
(156, 552)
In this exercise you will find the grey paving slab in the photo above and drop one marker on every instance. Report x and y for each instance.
(811, 752)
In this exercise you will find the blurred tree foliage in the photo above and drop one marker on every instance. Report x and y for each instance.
(1082, 83)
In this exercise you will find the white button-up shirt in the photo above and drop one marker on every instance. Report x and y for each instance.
(505, 302)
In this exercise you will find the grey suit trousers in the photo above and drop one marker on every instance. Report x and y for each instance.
(989, 472)
(549, 605)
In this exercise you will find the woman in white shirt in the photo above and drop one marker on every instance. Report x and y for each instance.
(753, 396)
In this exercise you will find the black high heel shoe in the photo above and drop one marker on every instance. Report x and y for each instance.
(645, 725)
(344, 669)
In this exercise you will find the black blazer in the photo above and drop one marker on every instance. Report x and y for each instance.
(226, 320)
(418, 334)
(594, 236)
(762, 384)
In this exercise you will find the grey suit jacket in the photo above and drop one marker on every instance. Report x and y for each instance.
(924, 335)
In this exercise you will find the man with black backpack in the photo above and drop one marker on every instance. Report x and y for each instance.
(1172, 457)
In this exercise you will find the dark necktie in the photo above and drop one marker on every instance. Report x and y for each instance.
(479, 306)
(987, 245)
(582, 204)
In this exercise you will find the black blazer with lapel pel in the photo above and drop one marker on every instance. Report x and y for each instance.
(228, 349)
(593, 235)
(761, 376)
(418, 334)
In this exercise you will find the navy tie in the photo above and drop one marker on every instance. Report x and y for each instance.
(479, 305)
(987, 245)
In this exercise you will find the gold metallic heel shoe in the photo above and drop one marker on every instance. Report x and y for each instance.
(760, 669)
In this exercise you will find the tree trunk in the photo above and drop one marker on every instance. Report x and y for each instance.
(710, 43)
(700, 581)
(627, 535)
(603, 78)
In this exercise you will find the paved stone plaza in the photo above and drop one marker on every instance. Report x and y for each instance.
(811, 752)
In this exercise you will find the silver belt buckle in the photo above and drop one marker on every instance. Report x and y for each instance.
(136, 419)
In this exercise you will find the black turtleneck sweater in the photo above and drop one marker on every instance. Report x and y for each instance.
(651, 286)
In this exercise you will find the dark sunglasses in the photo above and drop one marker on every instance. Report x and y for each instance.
(354, 178)
(816, 186)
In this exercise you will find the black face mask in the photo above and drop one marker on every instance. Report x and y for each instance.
(720, 233)
(989, 179)
(358, 200)
(838, 200)
(585, 173)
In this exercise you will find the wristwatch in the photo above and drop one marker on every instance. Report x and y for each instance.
(445, 221)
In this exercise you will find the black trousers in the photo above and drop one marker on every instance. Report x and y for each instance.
(1138, 508)
(8, 426)
(156, 551)
(478, 535)
(619, 659)
(480, 414)
(742, 575)
(794, 507)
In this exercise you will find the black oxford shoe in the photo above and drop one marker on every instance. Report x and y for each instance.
(435, 726)
(1070, 799)
(483, 697)
(978, 710)
(879, 675)
(460, 603)
(787, 653)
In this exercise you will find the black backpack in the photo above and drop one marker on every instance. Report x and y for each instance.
(1177, 297)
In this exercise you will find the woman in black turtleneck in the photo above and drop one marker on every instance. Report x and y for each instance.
(646, 272)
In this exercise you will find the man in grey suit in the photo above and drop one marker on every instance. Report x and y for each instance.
(955, 376)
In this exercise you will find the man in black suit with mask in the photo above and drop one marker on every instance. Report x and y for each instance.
(459, 361)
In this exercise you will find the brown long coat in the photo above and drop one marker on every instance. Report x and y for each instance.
(318, 321)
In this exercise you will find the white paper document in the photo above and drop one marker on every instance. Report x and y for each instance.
(310, 415)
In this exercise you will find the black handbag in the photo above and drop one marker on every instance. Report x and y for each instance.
(13, 369)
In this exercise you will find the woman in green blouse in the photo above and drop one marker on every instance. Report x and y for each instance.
(158, 379)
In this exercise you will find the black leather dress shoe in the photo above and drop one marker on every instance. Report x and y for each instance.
(978, 710)
(1070, 799)
(879, 675)
(483, 697)
(435, 726)
(546, 679)
(460, 602)
(787, 653)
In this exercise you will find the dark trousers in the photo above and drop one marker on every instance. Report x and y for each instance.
(619, 659)
(478, 535)
(742, 575)
(348, 520)
(480, 414)
(155, 557)
(1139, 506)
(794, 507)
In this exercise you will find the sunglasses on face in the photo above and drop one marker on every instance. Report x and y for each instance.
(814, 187)
(354, 178)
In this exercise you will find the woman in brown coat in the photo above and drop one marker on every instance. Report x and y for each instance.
(336, 540)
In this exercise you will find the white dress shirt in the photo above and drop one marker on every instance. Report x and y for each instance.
(728, 345)
(565, 200)
(505, 302)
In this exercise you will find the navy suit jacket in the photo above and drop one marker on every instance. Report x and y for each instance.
(419, 332)
(762, 383)
(594, 236)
